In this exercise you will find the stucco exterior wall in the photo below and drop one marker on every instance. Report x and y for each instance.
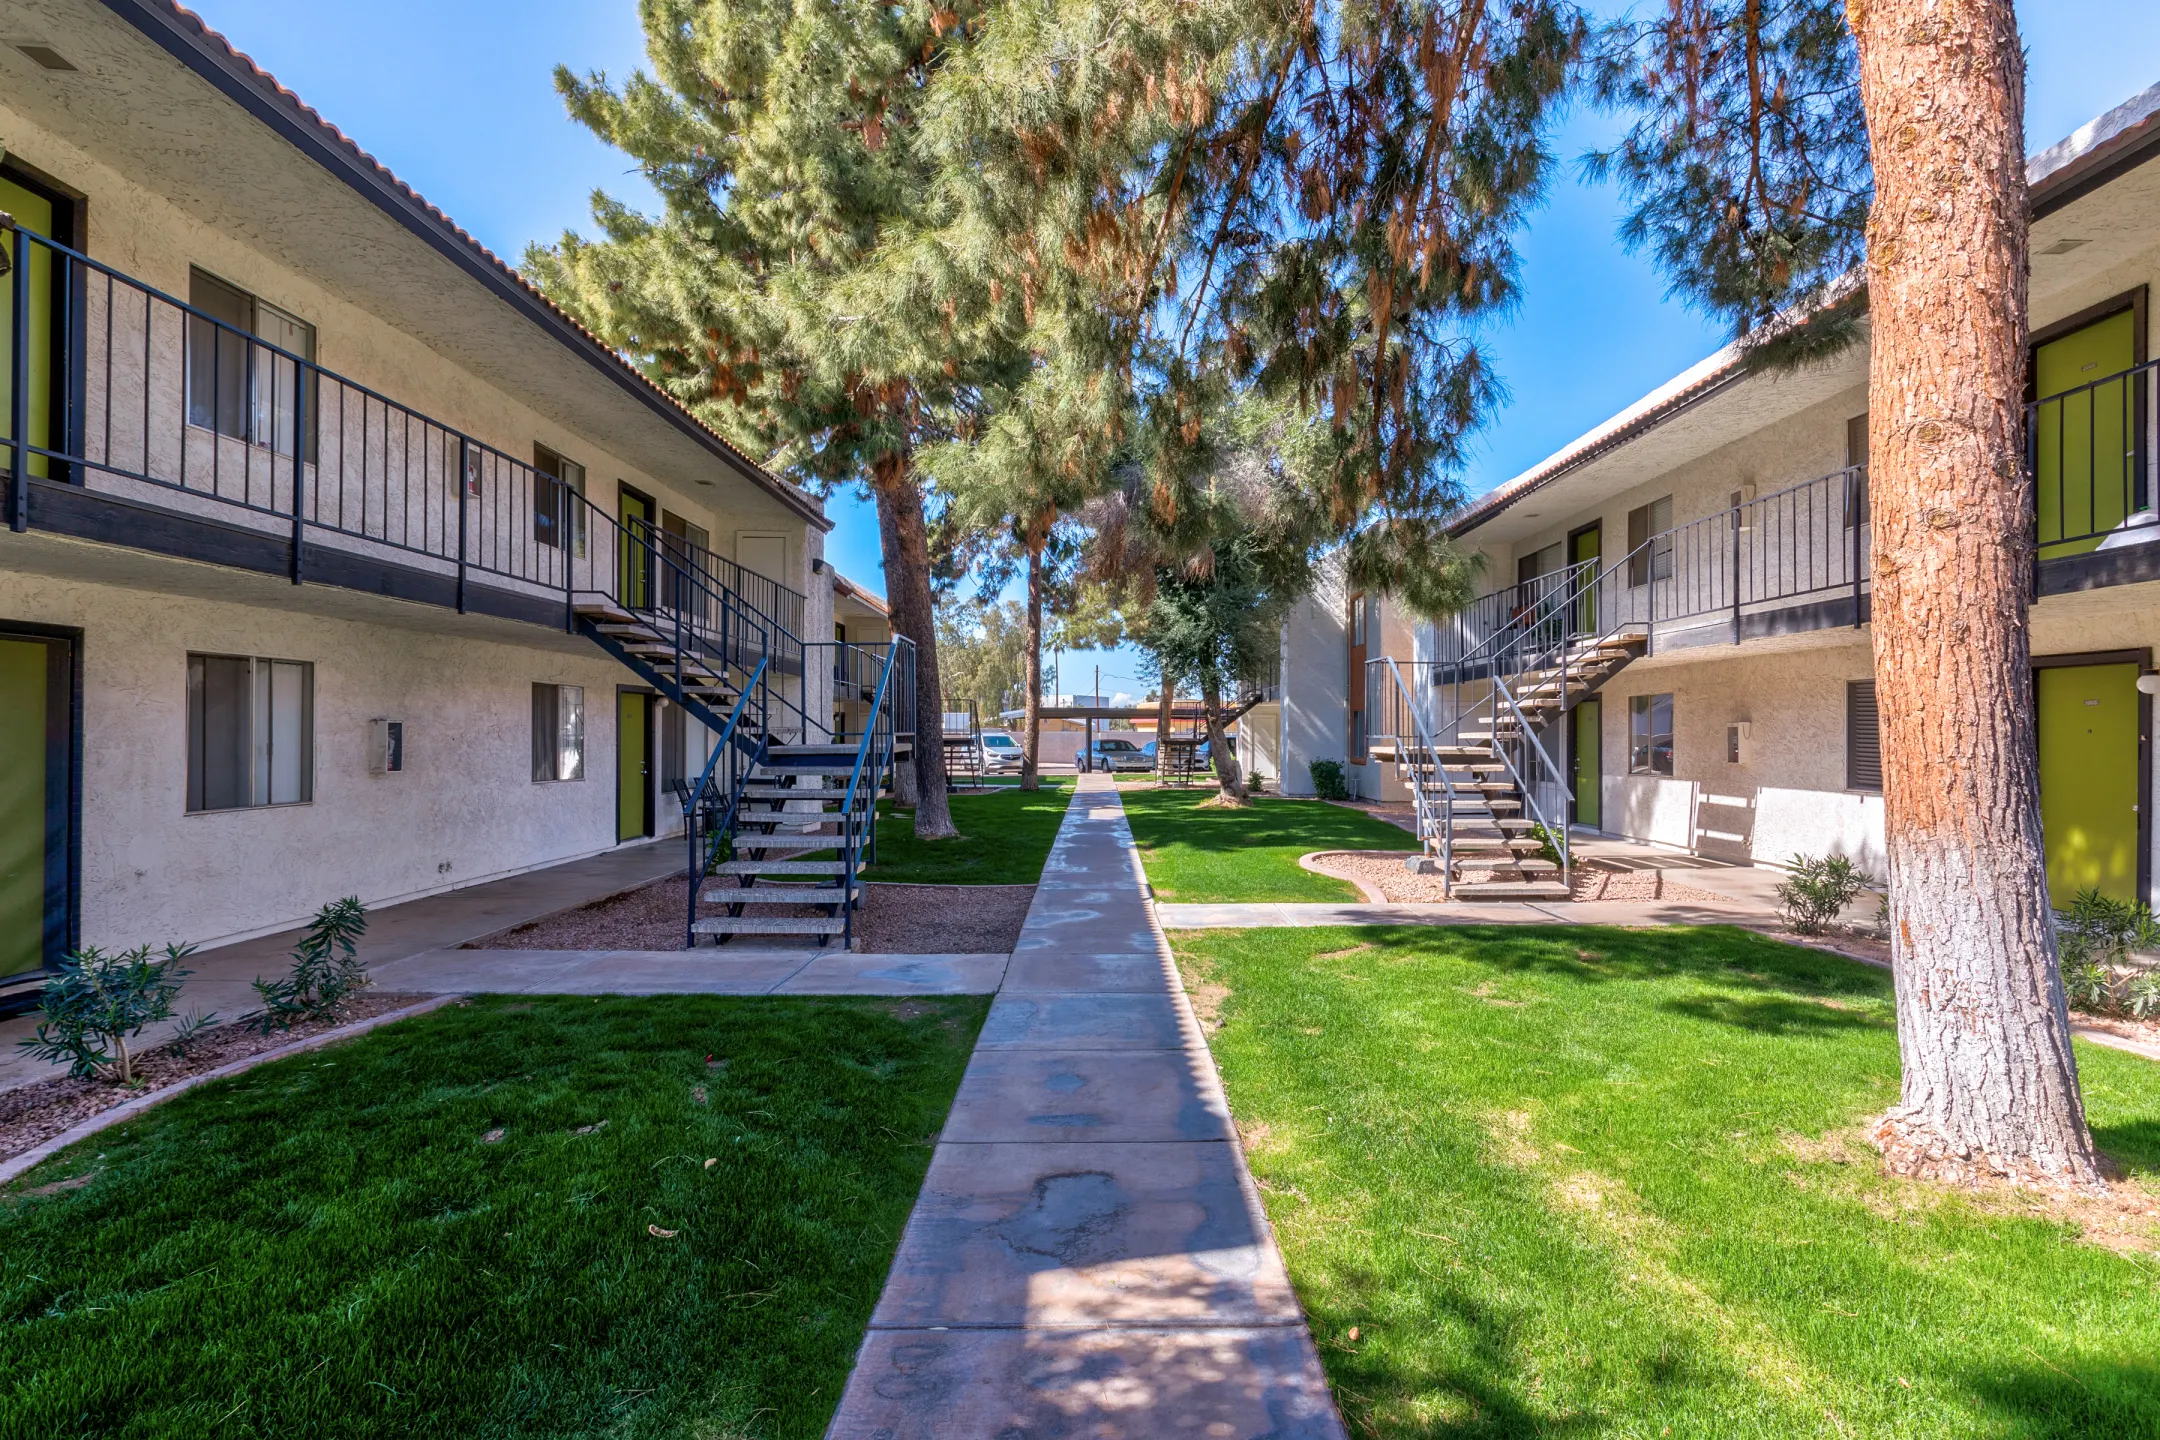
(465, 808)
(1315, 721)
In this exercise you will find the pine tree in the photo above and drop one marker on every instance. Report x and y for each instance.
(1753, 174)
(794, 289)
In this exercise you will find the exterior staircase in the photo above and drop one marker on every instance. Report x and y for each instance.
(1479, 738)
(782, 818)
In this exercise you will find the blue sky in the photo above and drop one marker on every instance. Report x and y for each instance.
(457, 98)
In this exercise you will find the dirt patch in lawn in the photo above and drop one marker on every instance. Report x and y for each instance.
(32, 1114)
(893, 920)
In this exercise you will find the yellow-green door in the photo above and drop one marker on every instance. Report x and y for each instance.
(33, 212)
(639, 536)
(2088, 779)
(1586, 545)
(1587, 761)
(2085, 434)
(633, 765)
(33, 817)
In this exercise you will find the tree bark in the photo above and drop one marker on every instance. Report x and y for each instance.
(1031, 743)
(1229, 775)
(1990, 1084)
(905, 539)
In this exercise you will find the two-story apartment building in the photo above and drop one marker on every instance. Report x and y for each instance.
(1717, 534)
(336, 560)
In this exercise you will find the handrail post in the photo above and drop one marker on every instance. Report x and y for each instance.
(1854, 481)
(464, 486)
(1736, 574)
(18, 380)
(299, 464)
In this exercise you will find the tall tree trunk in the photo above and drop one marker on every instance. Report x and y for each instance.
(1031, 743)
(1990, 1085)
(1229, 775)
(907, 593)
(1165, 720)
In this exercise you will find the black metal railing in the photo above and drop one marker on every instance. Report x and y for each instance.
(125, 390)
(2092, 453)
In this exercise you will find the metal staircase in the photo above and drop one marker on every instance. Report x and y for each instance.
(1478, 737)
(782, 817)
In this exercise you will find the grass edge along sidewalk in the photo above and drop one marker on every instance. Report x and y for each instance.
(1004, 839)
(1585, 1180)
(523, 1216)
(1197, 855)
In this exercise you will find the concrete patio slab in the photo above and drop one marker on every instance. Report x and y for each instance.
(1087, 1022)
(1021, 1096)
(1087, 1234)
(1111, 1384)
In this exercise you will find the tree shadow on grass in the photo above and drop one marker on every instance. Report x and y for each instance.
(1774, 1014)
(1268, 823)
(2132, 1144)
(1719, 954)
(2072, 1396)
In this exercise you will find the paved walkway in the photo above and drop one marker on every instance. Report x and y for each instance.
(1580, 912)
(721, 970)
(223, 978)
(1088, 1256)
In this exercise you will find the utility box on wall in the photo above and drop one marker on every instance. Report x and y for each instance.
(1739, 743)
(386, 747)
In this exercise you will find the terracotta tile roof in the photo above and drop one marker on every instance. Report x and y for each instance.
(189, 37)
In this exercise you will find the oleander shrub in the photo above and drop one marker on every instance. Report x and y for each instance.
(95, 1003)
(326, 969)
(2094, 939)
(1327, 780)
(1818, 890)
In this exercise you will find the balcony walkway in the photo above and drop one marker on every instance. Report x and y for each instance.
(1088, 1255)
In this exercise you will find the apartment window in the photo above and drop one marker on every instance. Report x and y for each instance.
(251, 732)
(558, 732)
(558, 493)
(238, 387)
(1647, 523)
(1650, 735)
(1863, 737)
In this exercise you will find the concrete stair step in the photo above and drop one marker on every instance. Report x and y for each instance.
(1510, 890)
(786, 842)
(768, 925)
(772, 895)
(781, 867)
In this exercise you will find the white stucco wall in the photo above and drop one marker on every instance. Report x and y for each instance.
(465, 809)
(1315, 715)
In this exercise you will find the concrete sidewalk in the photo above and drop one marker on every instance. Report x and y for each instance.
(1088, 1255)
(1580, 912)
(223, 978)
(726, 970)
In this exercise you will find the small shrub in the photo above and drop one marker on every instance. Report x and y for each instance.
(1327, 780)
(2094, 939)
(326, 968)
(1818, 890)
(1548, 847)
(95, 1003)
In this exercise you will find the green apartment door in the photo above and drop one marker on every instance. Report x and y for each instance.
(36, 801)
(640, 533)
(32, 211)
(2089, 778)
(2084, 437)
(1586, 544)
(633, 765)
(1586, 762)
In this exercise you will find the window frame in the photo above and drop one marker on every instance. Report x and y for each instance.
(550, 730)
(249, 415)
(259, 709)
(1643, 735)
(1856, 768)
(1642, 521)
(556, 477)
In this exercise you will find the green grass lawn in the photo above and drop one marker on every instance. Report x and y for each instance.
(1004, 838)
(441, 1228)
(1193, 854)
(1590, 1182)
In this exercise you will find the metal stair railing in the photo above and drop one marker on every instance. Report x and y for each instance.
(709, 807)
(1403, 705)
(872, 754)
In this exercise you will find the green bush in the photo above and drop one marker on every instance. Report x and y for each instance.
(95, 1003)
(2094, 939)
(1548, 845)
(1818, 890)
(1327, 780)
(326, 968)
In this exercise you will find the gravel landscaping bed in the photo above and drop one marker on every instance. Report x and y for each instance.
(893, 920)
(32, 1114)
